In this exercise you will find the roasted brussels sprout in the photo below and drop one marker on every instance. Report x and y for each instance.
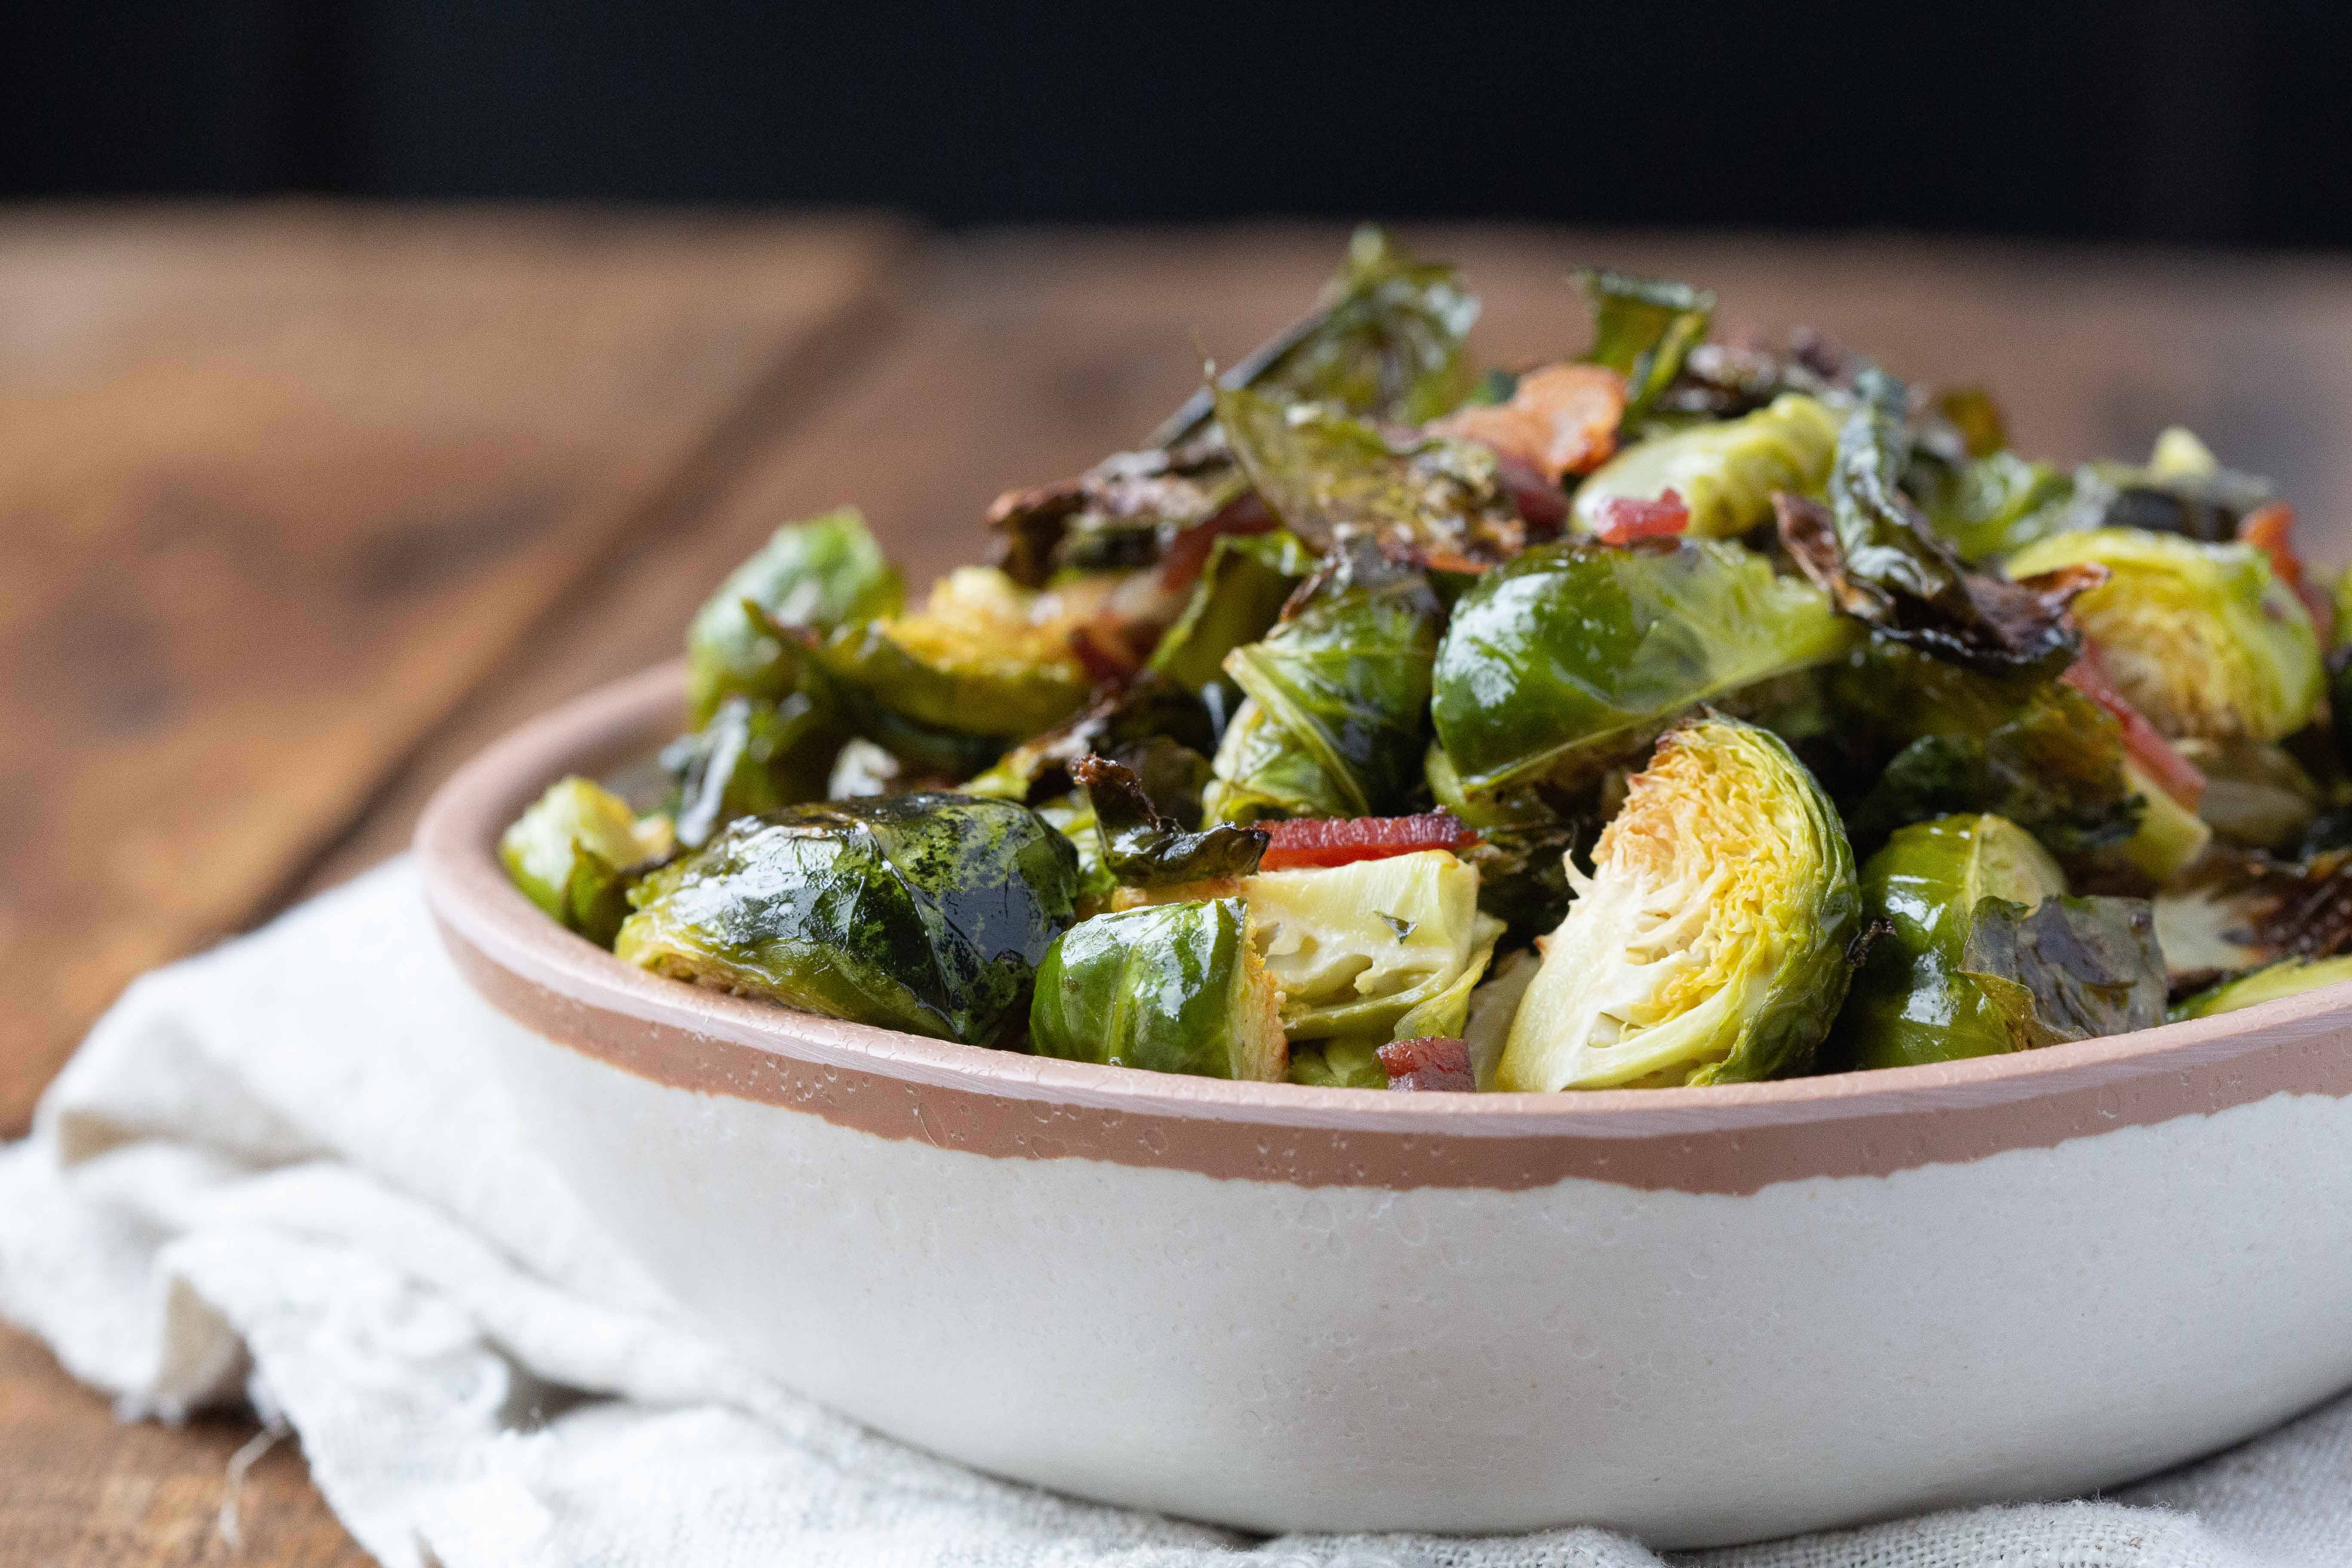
(1911, 1002)
(985, 658)
(751, 755)
(2169, 835)
(2201, 638)
(1335, 720)
(1726, 473)
(1150, 712)
(2068, 969)
(1709, 944)
(1357, 948)
(1240, 595)
(2288, 977)
(1340, 1063)
(2256, 795)
(1170, 988)
(575, 851)
(1575, 654)
(818, 574)
(2034, 749)
(923, 913)
(1992, 505)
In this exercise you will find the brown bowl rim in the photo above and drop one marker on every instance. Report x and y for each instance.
(1730, 1137)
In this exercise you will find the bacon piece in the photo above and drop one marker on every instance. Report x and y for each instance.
(1561, 420)
(2172, 773)
(1338, 841)
(2271, 529)
(1428, 1062)
(1625, 519)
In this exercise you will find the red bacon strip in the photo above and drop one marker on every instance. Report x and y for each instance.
(1340, 840)
(2172, 773)
(2271, 529)
(1429, 1062)
(1625, 519)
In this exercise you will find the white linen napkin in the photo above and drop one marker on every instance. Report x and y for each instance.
(281, 1170)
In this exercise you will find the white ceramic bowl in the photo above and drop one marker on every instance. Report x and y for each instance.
(1701, 1315)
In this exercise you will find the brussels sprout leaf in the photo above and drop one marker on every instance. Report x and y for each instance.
(2068, 969)
(1144, 848)
(1642, 328)
(1150, 705)
(1876, 555)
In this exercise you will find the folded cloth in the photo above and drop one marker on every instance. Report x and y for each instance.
(280, 1172)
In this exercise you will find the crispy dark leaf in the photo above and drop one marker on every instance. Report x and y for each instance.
(1151, 704)
(1385, 343)
(2232, 912)
(2069, 969)
(1144, 848)
(1876, 555)
(1122, 513)
(1642, 328)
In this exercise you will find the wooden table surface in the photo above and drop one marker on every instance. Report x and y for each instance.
(300, 505)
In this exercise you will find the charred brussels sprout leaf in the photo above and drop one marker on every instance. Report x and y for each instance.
(2202, 638)
(812, 576)
(751, 755)
(1169, 988)
(1428, 499)
(1726, 473)
(975, 661)
(1122, 513)
(1117, 722)
(1911, 1000)
(1356, 949)
(2068, 969)
(1709, 944)
(1238, 598)
(1385, 344)
(1574, 653)
(2232, 912)
(1878, 556)
(1336, 720)
(575, 852)
(1143, 847)
(2288, 977)
(923, 913)
(1642, 328)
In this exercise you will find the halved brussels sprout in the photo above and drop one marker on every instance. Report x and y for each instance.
(1493, 1007)
(1575, 654)
(1910, 1001)
(1726, 473)
(1709, 945)
(574, 852)
(2201, 638)
(818, 574)
(923, 913)
(1170, 988)
(1339, 697)
(977, 661)
(1357, 948)
(2288, 977)
(1240, 595)
(751, 755)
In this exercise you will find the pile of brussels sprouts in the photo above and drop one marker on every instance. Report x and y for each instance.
(1692, 710)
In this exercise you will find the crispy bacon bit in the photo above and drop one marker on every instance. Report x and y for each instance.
(1188, 553)
(2271, 529)
(1625, 519)
(1561, 420)
(2172, 773)
(1339, 841)
(1427, 1062)
(1540, 502)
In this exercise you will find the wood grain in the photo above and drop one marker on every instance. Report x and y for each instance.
(277, 489)
(1031, 355)
(80, 1490)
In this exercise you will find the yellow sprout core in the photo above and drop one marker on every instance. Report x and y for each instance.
(1703, 885)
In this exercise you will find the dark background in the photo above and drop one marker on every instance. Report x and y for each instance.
(2171, 120)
